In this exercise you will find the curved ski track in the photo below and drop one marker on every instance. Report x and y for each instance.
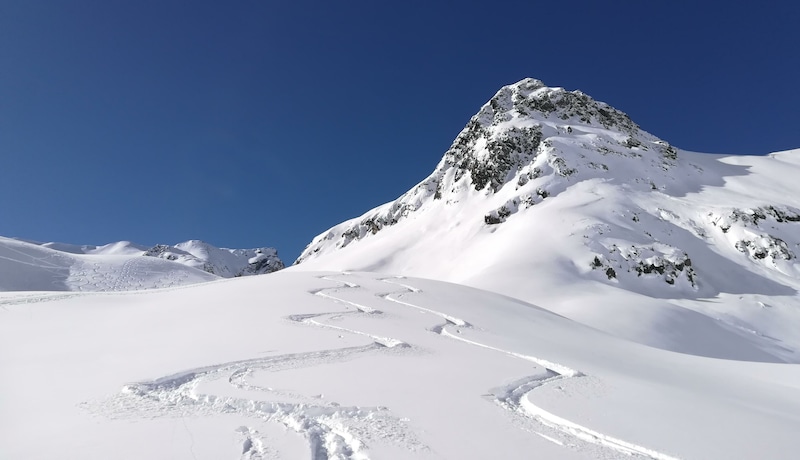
(341, 432)
(514, 397)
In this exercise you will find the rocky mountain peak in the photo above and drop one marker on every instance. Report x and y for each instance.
(532, 98)
(529, 142)
(526, 120)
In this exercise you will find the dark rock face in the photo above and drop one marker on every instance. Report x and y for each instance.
(766, 246)
(759, 242)
(264, 262)
(647, 262)
(160, 250)
(510, 150)
(566, 105)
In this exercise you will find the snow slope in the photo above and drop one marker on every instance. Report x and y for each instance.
(30, 266)
(562, 201)
(354, 365)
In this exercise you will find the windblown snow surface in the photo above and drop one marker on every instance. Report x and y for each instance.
(357, 365)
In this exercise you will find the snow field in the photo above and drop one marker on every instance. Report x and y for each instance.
(357, 365)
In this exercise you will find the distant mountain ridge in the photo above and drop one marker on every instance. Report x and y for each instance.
(28, 265)
(227, 263)
(223, 262)
(560, 200)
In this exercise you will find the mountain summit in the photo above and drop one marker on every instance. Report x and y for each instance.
(563, 201)
(529, 137)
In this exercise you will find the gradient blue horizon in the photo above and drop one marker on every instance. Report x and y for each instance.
(265, 123)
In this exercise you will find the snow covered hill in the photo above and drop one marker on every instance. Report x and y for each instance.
(557, 199)
(30, 266)
(355, 366)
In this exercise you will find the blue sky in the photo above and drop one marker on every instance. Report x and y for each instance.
(264, 123)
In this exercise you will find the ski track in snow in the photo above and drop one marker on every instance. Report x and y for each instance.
(94, 278)
(450, 319)
(342, 432)
(34, 298)
(333, 431)
(253, 447)
(515, 398)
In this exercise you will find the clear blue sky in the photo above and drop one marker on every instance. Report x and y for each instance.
(255, 123)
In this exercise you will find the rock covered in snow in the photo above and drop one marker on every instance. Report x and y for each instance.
(227, 263)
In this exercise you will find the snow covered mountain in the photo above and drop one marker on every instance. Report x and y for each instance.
(227, 263)
(123, 266)
(557, 199)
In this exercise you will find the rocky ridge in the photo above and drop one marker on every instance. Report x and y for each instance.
(529, 143)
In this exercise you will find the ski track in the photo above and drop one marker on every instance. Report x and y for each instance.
(13, 298)
(450, 319)
(333, 431)
(515, 398)
(342, 432)
(34, 298)
(253, 447)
